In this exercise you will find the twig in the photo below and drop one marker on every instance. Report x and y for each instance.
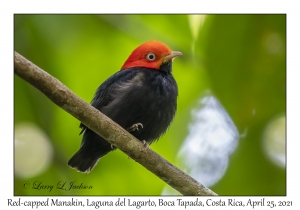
(105, 127)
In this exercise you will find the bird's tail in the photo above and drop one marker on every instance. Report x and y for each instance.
(91, 150)
(83, 161)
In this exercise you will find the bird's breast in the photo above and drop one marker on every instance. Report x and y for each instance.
(148, 97)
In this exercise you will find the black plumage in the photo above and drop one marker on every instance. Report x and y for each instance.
(131, 96)
(143, 93)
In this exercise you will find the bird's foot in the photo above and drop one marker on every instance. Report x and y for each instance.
(134, 127)
(146, 145)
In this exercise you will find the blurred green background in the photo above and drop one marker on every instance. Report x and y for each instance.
(239, 59)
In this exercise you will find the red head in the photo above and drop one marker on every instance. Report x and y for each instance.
(151, 54)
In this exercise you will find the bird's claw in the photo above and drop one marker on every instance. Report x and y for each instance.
(134, 127)
(146, 145)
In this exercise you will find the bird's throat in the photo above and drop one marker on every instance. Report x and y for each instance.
(166, 67)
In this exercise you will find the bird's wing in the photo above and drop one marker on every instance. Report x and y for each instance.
(106, 92)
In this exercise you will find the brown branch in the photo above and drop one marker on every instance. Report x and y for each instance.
(105, 127)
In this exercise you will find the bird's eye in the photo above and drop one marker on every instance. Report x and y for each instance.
(150, 56)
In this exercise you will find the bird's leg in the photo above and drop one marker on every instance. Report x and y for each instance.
(134, 127)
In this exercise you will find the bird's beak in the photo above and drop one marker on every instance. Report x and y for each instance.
(172, 55)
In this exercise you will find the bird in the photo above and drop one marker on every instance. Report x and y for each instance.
(141, 97)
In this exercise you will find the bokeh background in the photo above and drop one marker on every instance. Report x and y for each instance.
(229, 132)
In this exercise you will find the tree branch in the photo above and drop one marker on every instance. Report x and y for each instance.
(105, 127)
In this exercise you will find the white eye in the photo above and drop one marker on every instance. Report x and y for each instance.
(150, 56)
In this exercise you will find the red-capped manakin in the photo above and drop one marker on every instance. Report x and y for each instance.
(141, 97)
